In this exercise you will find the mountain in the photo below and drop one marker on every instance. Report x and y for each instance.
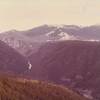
(21, 43)
(72, 63)
(23, 89)
(11, 61)
(48, 49)
(29, 41)
(66, 32)
(49, 33)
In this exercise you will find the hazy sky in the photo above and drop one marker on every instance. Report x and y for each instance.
(24, 14)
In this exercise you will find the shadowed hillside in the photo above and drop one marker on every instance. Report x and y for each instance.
(21, 89)
(10, 60)
(73, 63)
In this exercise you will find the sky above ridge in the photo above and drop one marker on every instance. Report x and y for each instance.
(25, 14)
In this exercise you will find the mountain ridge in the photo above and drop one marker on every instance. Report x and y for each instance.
(29, 41)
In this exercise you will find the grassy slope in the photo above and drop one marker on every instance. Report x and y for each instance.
(21, 89)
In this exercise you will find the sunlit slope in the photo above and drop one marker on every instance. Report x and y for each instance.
(21, 89)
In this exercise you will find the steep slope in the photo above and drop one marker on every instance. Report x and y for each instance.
(11, 61)
(21, 89)
(21, 43)
(73, 63)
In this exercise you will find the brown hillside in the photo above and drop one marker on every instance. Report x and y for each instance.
(21, 89)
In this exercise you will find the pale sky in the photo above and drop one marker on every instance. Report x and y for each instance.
(25, 14)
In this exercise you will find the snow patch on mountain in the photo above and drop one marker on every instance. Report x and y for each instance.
(91, 40)
(65, 36)
(50, 33)
(87, 93)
